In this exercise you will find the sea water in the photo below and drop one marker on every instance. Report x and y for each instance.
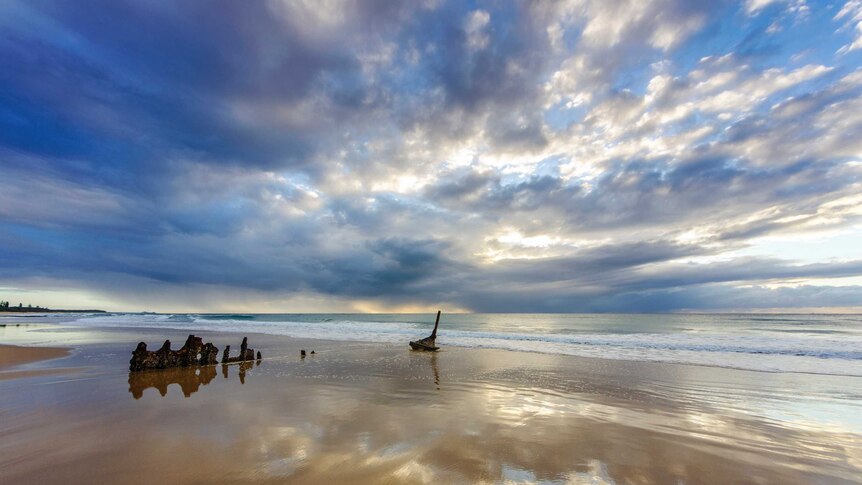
(807, 343)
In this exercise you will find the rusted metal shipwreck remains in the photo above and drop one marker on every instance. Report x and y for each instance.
(193, 353)
(428, 343)
(245, 353)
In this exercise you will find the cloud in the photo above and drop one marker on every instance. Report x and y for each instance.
(474, 27)
(540, 156)
(851, 14)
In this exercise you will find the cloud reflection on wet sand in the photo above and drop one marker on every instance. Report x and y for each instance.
(380, 414)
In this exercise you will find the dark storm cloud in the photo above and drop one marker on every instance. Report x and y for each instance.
(131, 86)
(475, 74)
(625, 288)
(492, 87)
(652, 192)
(486, 193)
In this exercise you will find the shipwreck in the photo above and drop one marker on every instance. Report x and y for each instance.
(193, 353)
(428, 344)
(245, 353)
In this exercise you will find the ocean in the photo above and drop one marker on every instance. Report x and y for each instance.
(804, 343)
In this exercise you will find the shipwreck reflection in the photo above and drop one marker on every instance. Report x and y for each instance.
(242, 368)
(423, 366)
(435, 370)
(190, 379)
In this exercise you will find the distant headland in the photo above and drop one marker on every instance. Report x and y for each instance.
(5, 306)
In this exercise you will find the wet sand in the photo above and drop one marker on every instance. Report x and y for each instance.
(374, 413)
(12, 357)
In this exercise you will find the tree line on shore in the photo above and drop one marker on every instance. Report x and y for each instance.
(6, 306)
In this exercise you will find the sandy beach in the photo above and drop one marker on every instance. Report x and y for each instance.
(12, 355)
(379, 413)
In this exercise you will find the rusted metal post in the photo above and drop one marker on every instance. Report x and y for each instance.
(436, 322)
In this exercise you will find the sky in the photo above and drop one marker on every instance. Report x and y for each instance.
(487, 156)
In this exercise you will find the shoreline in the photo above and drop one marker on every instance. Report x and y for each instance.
(419, 334)
(155, 336)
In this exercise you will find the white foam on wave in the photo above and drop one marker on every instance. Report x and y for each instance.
(744, 351)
